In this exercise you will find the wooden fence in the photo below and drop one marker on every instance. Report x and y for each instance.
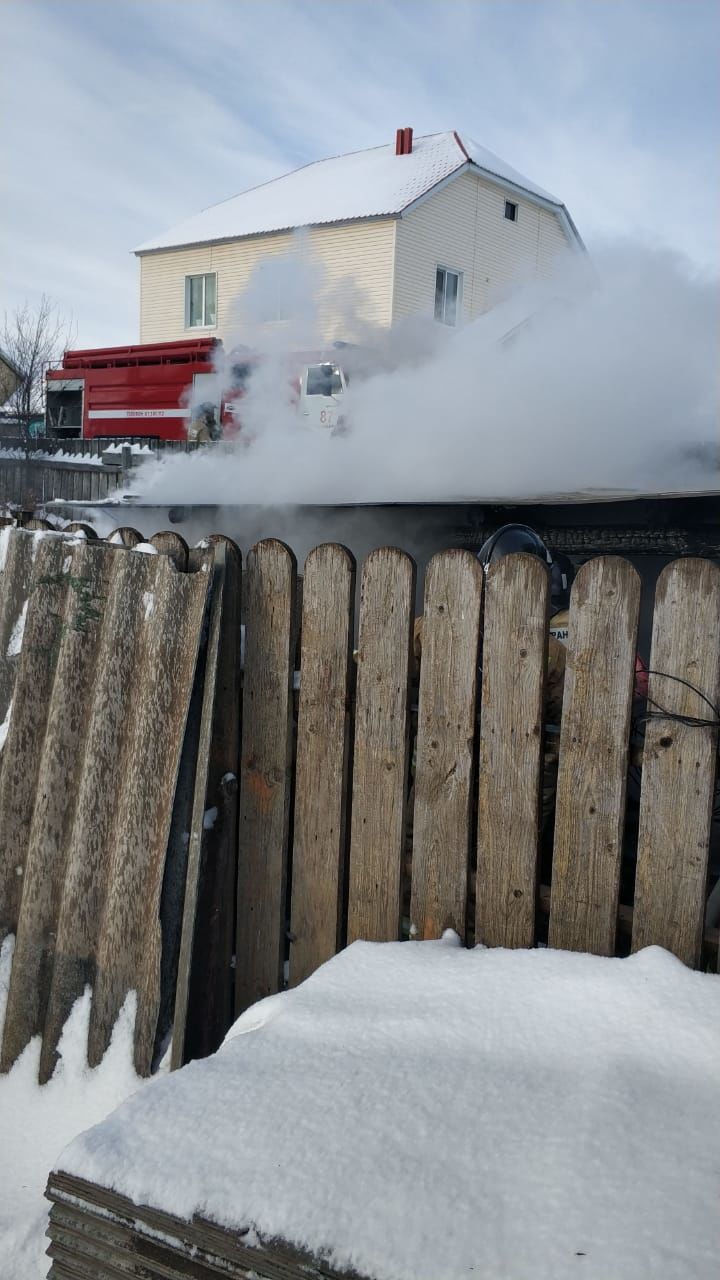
(35, 471)
(372, 803)
(378, 803)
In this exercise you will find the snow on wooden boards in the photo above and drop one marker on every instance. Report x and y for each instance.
(87, 787)
(98, 1234)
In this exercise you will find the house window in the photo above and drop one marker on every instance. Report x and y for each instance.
(200, 301)
(511, 211)
(448, 294)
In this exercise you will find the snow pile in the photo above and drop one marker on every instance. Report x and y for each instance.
(18, 631)
(420, 1112)
(137, 450)
(5, 726)
(37, 1123)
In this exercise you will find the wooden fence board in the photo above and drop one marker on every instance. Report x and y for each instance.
(445, 737)
(380, 762)
(97, 810)
(205, 816)
(85, 578)
(318, 876)
(31, 698)
(124, 786)
(18, 549)
(511, 748)
(269, 607)
(129, 944)
(679, 762)
(212, 979)
(592, 771)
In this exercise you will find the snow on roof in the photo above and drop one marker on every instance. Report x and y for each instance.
(418, 1110)
(364, 184)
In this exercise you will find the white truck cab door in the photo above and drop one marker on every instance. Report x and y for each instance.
(322, 387)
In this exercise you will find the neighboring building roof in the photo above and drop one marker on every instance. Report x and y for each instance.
(9, 385)
(5, 359)
(364, 184)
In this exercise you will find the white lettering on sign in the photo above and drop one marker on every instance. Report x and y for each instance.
(138, 413)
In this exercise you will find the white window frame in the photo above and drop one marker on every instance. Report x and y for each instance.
(515, 206)
(204, 276)
(453, 271)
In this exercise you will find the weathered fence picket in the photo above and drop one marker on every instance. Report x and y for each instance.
(515, 639)
(594, 742)
(679, 761)
(171, 609)
(204, 997)
(211, 1000)
(269, 610)
(33, 687)
(380, 761)
(319, 850)
(445, 735)
(69, 657)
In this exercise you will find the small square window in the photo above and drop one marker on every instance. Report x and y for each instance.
(448, 295)
(511, 211)
(200, 301)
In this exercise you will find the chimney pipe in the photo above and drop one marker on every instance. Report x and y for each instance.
(403, 142)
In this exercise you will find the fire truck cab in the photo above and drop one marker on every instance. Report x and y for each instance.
(322, 390)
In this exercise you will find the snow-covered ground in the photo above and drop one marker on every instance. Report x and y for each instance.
(36, 1124)
(422, 1112)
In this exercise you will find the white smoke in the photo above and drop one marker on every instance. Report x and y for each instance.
(604, 378)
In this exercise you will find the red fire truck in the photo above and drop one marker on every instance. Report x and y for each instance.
(142, 390)
(155, 389)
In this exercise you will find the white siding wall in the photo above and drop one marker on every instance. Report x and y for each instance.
(463, 226)
(354, 262)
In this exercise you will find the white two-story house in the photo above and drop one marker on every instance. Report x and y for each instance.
(435, 225)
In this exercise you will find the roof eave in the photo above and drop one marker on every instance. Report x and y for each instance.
(469, 166)
(276, 231)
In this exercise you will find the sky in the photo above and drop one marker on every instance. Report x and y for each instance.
(122, 117)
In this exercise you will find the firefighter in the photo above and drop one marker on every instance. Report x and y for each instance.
(204, 425)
